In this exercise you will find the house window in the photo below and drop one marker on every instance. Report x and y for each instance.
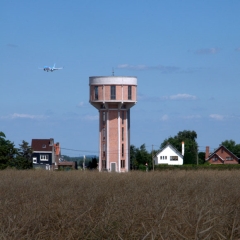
(129, 92)
(113, 92)
(165, 157)
(44, 146)
(215, 158)
(34, 160)
(122, 117)
(122, 134)
(173, 158)
(96, 92)
(122, 150)
(161, 157)
(122, 163)
(229, 158)
(43, 157)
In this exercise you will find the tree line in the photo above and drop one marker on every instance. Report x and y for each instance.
(20, 158)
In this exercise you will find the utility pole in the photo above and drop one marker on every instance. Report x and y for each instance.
(83, 162)
(152, 158)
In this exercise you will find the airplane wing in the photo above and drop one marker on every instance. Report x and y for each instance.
(58, 68)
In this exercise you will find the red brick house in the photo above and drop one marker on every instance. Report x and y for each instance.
(221, 156)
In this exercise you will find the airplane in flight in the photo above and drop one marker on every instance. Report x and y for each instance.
(50, 69)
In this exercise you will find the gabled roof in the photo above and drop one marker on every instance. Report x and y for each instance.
(42, 144)
(170, 146)
(215, 153)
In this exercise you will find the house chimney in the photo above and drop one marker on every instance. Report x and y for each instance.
(57, 152)
(207, 152)
(183, 148)
(51, 142)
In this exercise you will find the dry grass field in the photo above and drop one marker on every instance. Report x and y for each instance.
(137, 205)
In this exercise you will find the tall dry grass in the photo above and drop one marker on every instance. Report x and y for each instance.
(137, 205)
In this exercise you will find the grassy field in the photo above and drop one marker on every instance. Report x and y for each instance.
(137, 205)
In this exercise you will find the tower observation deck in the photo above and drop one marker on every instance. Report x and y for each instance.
(113, 96)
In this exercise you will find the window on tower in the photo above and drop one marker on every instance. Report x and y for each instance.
(122, 163)
(104, 117)
(96, 92)
(122, 150)
(104, 150)
(103, 164)
(129, 92)
(104, 133)
(113, 92)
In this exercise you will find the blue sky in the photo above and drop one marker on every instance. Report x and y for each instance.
(185, 54)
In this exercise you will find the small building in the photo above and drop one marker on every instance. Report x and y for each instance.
(47, 155)
(221, 156)
(169, 155)
(43, 155)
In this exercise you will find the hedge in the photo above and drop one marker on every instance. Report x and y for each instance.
(161, 167)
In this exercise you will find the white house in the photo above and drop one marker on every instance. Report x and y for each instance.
(169, 155)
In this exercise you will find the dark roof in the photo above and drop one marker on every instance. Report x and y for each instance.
(42, 144)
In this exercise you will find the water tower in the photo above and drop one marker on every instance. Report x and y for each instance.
(113, 96)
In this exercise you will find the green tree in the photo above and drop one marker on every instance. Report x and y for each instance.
(201, 157)
(2, 134)
(93, 164)
(7, 152)
(23, 158)
(190, 145)
(139, 157)
(143, 157)
(133, 161)
(232, 146)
